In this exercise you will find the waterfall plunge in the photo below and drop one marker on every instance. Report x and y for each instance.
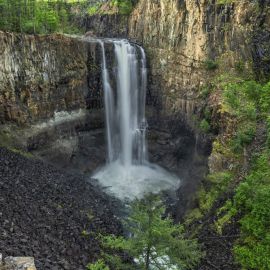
(128, 174)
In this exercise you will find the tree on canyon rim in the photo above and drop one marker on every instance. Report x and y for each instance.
(37, 16)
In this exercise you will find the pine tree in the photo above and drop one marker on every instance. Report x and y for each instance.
(155, 241)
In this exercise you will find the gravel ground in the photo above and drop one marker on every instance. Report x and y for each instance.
(50, 214)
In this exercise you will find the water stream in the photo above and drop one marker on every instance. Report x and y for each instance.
(128, 174)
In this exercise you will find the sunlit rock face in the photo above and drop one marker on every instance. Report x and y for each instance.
(167, 29)
(41, 75)
(179, 36)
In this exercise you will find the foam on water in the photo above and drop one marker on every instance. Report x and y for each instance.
(135, 180)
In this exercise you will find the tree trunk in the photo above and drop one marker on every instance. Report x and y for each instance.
(147, 262)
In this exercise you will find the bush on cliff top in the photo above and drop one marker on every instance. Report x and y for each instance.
(123, 7)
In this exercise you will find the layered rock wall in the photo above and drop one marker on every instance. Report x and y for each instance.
(184, 38)
(40, 75)
(113, 26)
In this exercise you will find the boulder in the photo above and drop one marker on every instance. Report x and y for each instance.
(20, 263)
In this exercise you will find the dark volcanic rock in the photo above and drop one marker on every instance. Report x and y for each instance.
(106, 25)
(50, 215)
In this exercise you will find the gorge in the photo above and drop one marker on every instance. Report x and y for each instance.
(180, 85)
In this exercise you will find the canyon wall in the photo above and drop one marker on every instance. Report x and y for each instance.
(40, 75)
(112, 26)
(192, 44)
(189, 42)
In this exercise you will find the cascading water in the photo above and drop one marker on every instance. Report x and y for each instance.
(109, 104)
(128, 174)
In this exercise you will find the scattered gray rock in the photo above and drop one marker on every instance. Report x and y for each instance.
(45, 210)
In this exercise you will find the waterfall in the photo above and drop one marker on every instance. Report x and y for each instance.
(126, 123)
(128, 172)
(109, 104)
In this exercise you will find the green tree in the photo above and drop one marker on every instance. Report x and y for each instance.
(37, 16)
(99, 265)
(155, 242)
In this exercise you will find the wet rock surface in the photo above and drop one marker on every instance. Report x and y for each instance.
(77, 145)
(50, 215)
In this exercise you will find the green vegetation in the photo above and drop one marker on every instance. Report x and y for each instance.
(210, 64)
(220, 183)
(246, 106)
(114, 6)
(268, 132)
(124, 6)
(94, 9)
(224, 2)
(99, 265)
(240, 66)
(205, 91)
(251, 106)
(155, 241)
(38, 16)
(242, 101)
(7, 141)
(205, 126)
(5, 138)
(252, 200)
(49, 16)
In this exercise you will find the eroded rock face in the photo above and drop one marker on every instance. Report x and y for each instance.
(166, 30)
(189, 43)
(180, 36)
(40, 75)
(113, 26)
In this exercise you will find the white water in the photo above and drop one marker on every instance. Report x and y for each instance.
(128, 174)
(109, 104)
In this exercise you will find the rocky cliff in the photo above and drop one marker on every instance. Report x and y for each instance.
(40, 75)
(190, 41)
(113, 26)
(195, 46)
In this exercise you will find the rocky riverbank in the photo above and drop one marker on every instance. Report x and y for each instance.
(51, 215)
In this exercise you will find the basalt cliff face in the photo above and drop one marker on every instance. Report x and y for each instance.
(190, 44)
(40, 75)
(184, 38)
(51, 98)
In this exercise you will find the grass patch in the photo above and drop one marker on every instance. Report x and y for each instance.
(210, 64)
